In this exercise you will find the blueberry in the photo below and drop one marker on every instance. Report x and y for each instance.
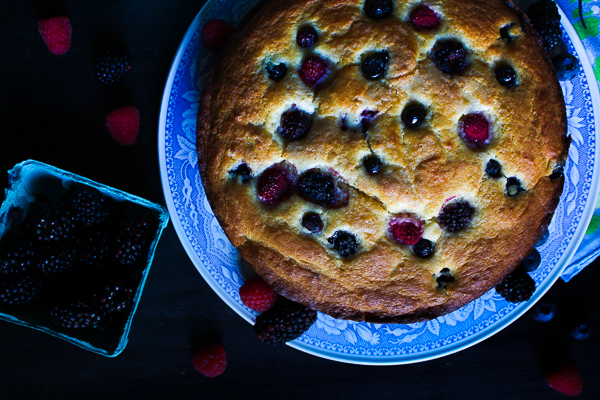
(424, 248)
(312, 222)
(506, 76)
(413, 115)
(449, 56)
(444, 278)
(243, 171)
(543, 312)
(344, 243)
(367, 117)
(455, 215)
(372, 164)
(276, 71)
(294, 124)
(580, 331)
(505, 33)
(307, 37)
(493, 169)
(375, 65)
(378, 9)
(558, 173)
(513, 186)
(322, 188)
(566, 66)
(532, 261)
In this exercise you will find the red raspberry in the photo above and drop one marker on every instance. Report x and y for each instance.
(123, 125)
(56, 32)
(566, 380)
(275, 183)
(214, 33)
(211, 360)
(313, 70)
(424, 18)
(257, 295)
(475, 130)
(406, 230)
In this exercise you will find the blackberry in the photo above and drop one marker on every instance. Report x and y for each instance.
(517, 287)
(322, 188)
(344, 243)
(544, 16)
(312, 222)
(110, 67)
(19, 289)
(285, 321)
(294, 124)
(307, 37)
(506, 76)
(449, 56)
(372, 164)
(113, 300)
(374, 66)
(76, 315)
(49, 225)
(87, 205)
(413, 115)
(456, 215)
(493, 169)
(92, 248)
(17, 254)
(424, 248)
(378, 9)
(56, 259)
(243, 171)
(133, 237)
(276, 72)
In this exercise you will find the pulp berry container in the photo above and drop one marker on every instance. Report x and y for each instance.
(88, 273)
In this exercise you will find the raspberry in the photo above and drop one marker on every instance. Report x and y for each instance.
(214, 34)
(294, 124)
(123, 125)
(322, 188)
(493, 169)
(344, 243)
(406, 230)
(210, 361)
(374, 66)
(314, 70)
(257, 295)
(276, 72)
(517, 287)
(449, 56)
(413, 115)
(455, 215)
(307, 37)
(372, 164)
(286, 321)
(566, 380)
(312, 222)
(56, 32)
(378, 9)
(474, 129)
(424, 18)
(110, 67)
(275, 183)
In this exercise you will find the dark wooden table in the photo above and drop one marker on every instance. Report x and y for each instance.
(52, 109)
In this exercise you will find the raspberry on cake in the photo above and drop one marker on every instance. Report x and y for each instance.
(376, 159)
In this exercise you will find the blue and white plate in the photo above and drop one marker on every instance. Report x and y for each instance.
(348, 341)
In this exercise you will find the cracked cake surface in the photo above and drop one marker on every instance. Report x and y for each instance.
(386, 161)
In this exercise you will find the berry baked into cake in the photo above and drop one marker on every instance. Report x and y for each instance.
(383, 160)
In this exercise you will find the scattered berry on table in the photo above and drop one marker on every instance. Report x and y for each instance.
(406, 230)
(307, 37)
(111, 67)
(449, 56)
(493, 168)
(314, 70)
(285, 321)
(123, 125)
(294, 124)
(374, 66)
(257, 295)
(378, 9)
(424, 248)
(566, 66)
(276, 72)
(243, 171)
(344, 243)
(455, 215)
(413, 115)
(532, 261)
(543, 312)
(56, 32)
(517, 287)
(372, 164)
(513, 186)
(423, 18)
(506, 76)
(210, 361)
(75, 315)
(566, 379)
(545, 18)
(312, 222)
(275, 183)
(19, 289)
(580, 331)
(474, 130)
(322, 188)
(214, 34)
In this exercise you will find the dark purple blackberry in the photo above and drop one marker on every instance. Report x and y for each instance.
(493, 168)
(312, 222)
(506, 76)
(513, 186)
(110, 67)
(133, 238)
(276, 72)
(374, 66)
(532, 261)
(544, 16)
(517, 287)
(444, 278)
(378, 9)
(76, 315)
(307, 37)
(294, 124)
(113, 300)
(424, 248)
(243, 171)
(449, 56)
(455, 215)
(92, 248)
(57, 259)
(19, 289)
(285, 321)
(88, 206)
(344, 243)
(413, 115)
(372, 164)
(558, 173)
(322, 188)
(17, 254)
(49, 225)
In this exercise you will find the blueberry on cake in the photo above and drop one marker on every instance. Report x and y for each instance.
(383, 160)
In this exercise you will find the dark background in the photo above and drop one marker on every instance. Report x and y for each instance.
(52, 109)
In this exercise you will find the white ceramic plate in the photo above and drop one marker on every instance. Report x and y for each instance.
(348, 341)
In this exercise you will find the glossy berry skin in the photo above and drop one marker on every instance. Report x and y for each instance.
(543, 312)
(257, 295)
(378, 9)
(294, 124)
(474, 130)
(210, 361)
(344, 243)
(413, 115)
(372, 164)
(532, 261)
(455, 215)
(565, 380)
(449, 56)
(566, 66)
(513, 187)
(374, 66)
(405, 230)
(493, 169)
(517, 287)
(276, 72)
(275, 183)
(307, 37)
(322, 188)
(506, 76)
(312, 222)
(76, 315)
(314, 70)
(214, 34)
(424, 248)
(423, 18)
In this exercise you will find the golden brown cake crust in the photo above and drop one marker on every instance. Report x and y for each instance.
(423, 168)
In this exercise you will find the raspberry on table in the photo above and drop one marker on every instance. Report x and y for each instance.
(423, 18)
(110, 67)
(294, 124)
(285, 321)
(257, 295)
(56, 32)
(344, 243)
(449, 56)
(455, 215)
(406, 230)
(565, 379)
(275, 183)
(517, 287)
(211, 360)
(214, 34)
(123, 125)
(314, 70)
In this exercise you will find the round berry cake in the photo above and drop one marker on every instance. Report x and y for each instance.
(383, 160)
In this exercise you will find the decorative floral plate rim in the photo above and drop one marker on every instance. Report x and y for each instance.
(349, 341)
